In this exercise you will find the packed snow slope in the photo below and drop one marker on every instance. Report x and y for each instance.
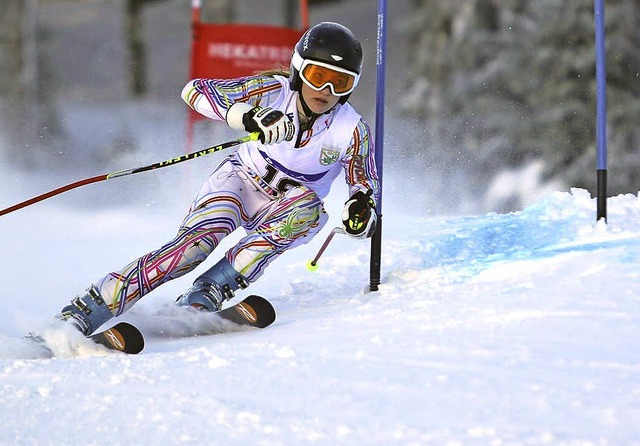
(500, 329)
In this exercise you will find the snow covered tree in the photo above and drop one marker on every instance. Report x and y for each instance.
(503, 83)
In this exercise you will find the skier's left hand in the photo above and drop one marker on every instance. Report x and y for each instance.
(359, 216)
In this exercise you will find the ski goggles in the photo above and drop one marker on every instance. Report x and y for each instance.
(319, 75)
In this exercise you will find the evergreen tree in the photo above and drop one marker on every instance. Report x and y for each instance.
(502, 83)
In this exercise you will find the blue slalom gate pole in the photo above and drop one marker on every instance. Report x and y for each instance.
(376, 240)
(601, 109)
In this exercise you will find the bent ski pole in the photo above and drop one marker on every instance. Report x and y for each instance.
(312, 265)
(122, 173)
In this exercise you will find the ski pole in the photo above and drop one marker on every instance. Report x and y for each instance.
(122, 173)
(312, 265)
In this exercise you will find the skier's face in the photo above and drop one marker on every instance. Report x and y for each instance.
(319, 101)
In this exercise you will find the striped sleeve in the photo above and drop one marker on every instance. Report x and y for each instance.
(213, 97)
(359, 163)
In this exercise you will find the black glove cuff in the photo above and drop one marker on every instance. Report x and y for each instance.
(364, 198)
(250, 125)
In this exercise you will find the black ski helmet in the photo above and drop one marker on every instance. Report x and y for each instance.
(330, 43)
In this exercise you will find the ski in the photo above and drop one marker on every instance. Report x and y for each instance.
(254, 311)
(122, 337)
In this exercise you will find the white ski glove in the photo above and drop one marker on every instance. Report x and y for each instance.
(272, 125)
(359, 216)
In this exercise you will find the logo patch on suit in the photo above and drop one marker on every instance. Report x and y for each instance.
(329, 155)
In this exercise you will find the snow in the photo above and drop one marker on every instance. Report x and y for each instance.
(496, 329)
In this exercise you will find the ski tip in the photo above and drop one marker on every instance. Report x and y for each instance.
(257, 311)
(122, 337)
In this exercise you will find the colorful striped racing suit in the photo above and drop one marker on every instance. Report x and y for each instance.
(274, 191)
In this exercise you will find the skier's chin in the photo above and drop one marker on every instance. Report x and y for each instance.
(320, 105)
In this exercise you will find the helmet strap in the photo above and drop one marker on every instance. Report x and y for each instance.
(308, 113)
(311, 115)
(344, 99)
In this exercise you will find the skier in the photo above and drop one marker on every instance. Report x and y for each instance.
(273, 187)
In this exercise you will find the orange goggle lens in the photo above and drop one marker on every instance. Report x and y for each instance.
(319, 77)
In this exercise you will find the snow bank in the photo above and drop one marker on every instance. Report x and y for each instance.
(496, 329)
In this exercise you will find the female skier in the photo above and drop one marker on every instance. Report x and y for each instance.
(273, 187)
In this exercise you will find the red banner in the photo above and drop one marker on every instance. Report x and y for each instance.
(225, 51)
(236, 50)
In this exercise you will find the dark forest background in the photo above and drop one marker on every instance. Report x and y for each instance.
(489, 102)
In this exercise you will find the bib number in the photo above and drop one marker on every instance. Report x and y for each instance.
(281, 184)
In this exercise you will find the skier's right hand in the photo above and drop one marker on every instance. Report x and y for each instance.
(272, 125)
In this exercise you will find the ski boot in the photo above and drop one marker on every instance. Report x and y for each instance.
(211, 289)
(87, 312)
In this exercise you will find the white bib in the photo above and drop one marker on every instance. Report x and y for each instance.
(317, 162)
